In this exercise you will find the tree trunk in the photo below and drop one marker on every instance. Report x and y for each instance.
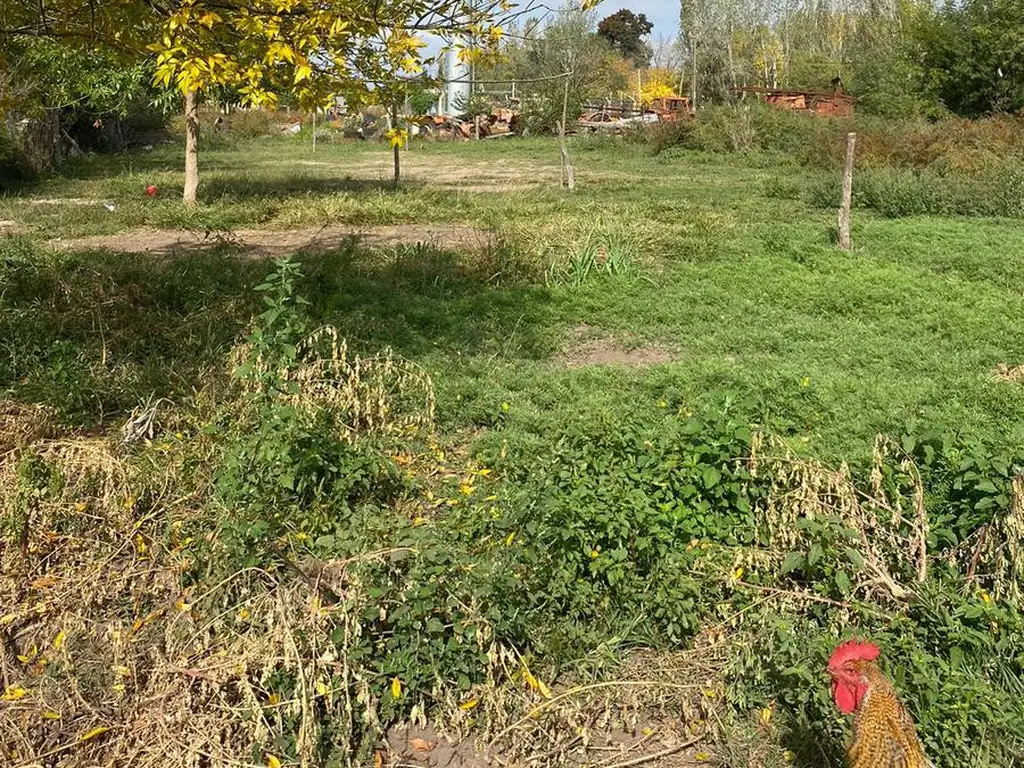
(693, 75)
(191, 147)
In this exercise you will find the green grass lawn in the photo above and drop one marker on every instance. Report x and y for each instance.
(742, 285)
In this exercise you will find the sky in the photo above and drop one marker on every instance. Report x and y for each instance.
(664, 14)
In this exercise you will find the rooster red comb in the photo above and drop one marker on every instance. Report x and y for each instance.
(854, 650)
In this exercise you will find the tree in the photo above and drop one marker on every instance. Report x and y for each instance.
(975, 53)
(540, 57)
(313, 48)
(626, 31)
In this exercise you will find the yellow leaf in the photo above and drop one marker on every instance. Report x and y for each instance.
(302, 72)
(510, 539)
(182, 606)
(7, 618)
(589, 5)
(765, 715)
(543, 688)
(49, 714)
(13, 693)
(468, 705)
(273, 762)
(322, 688)
(273, 700)
(396, 688)
(97, 731)
(530, 679)
(737, 574)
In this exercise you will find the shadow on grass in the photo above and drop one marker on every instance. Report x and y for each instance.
(93, 333)
(240, 189)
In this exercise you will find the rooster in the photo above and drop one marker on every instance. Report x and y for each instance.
(883, 731)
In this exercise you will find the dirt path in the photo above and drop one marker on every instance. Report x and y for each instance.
(262, 243)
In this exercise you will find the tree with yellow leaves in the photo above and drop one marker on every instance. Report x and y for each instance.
(314, 49)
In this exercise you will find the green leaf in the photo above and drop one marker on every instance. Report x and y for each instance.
(843, 582)
(793, 561)
(855, 558)
(815, 554)
(711, 477)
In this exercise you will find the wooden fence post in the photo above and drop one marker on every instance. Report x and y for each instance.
(568, 174)
(844, 208)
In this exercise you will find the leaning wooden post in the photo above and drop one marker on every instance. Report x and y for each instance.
(568, 174)
(844, 208)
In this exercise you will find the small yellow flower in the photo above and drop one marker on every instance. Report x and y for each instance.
(243, 614)
(467, 489)
(662, 404)
(985, 597)
(504, 409)
(81, 506)
(737, 574)
(702, 757)
(273, 700)
(805, 382)
(594, 554)
(396, 688)
(273, 761)
(13, 693)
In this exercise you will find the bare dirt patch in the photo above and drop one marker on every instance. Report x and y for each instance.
(588, 347)
(260, 243)
(653, 742)
(458, 174)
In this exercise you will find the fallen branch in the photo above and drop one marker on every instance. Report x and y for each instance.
(658, 755)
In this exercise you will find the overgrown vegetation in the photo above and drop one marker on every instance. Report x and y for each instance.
(262, 512)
